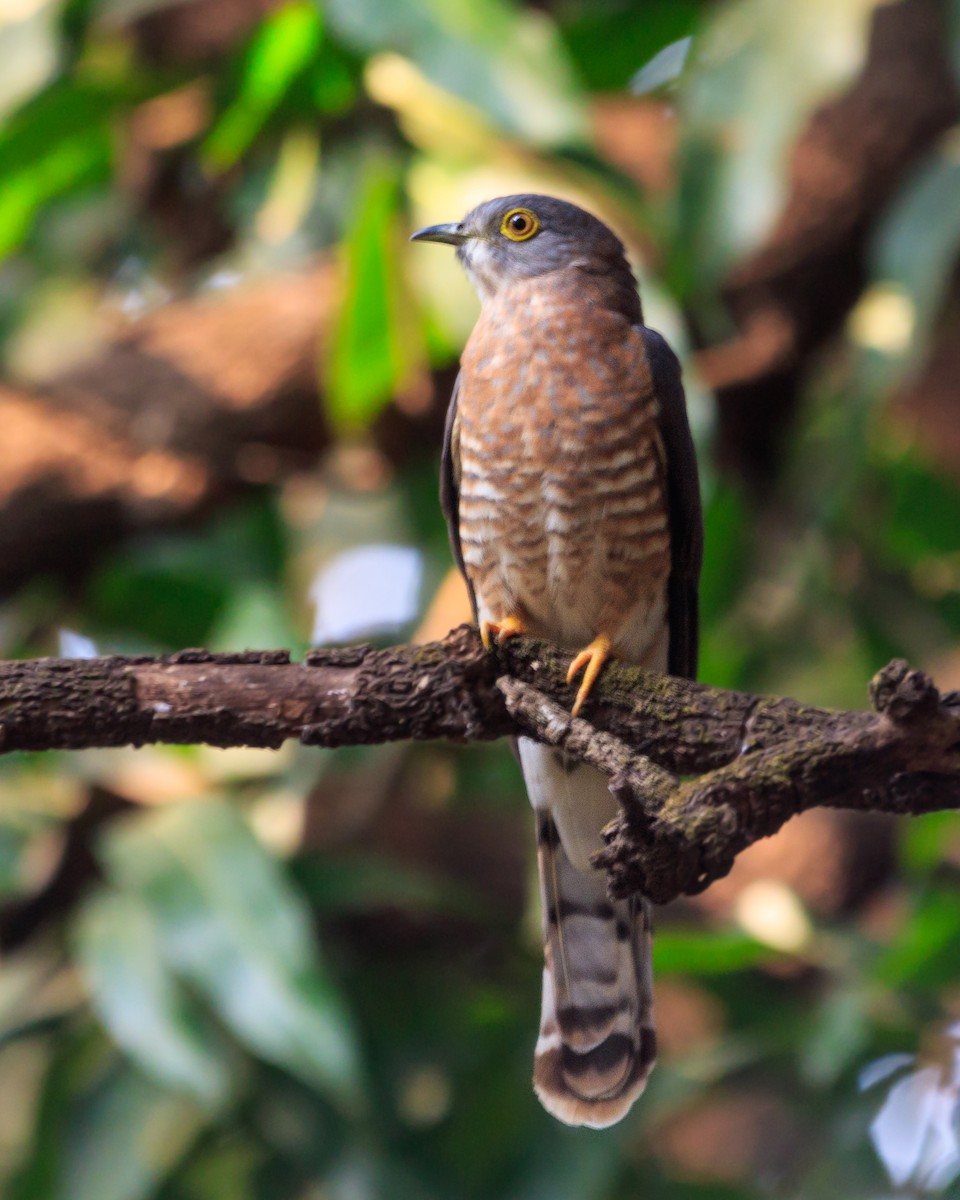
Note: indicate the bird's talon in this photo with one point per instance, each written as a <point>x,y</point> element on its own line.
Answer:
<point>577,665</point>
<point>501,630</point>
<point>590,660</point>
<point>511,627</point>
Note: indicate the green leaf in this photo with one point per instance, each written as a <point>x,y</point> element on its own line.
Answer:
<point>727,546</point>
<point>225,1171</point>
<point>573,1169</point>
<point>921,511</point>
<point>687,1189</point>
<point>142,1007</point>
<point>926,842</point>
<point>763,68</point>
<point>177,589</point>
<point>728,556</point>
<point>29,52</point>
<point>924,953</point>
<point>123,1138</point>
<point>165,602</point>
<point>104,1131</point>
<point>376,344</point>
<point>13,842</point>
<point>608,41</point>
<point>665,67</point>
<point>507,63</point>
<point>254,616</point>
<point>364,883</point>
<point>230,924</point>
<point>282,49</point>
<point>706,953</point>
<point>839,1032</point>
<point>36,1174</point>
<point>58,144</point>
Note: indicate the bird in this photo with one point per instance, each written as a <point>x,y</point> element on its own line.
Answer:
<point>568,480</point>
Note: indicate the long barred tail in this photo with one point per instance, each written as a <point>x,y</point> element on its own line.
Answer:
<point>597,1042</point>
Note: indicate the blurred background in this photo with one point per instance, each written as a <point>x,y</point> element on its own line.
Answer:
<point>315,975</point>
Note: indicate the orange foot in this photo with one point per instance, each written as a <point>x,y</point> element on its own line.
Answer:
<point>501,630</point>
<point>592,658</point>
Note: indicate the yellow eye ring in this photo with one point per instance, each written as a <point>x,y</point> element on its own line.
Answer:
<point>519,224</point>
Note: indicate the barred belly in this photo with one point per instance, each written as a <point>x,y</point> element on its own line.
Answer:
<point>577,547</point>
<point>563,513</point>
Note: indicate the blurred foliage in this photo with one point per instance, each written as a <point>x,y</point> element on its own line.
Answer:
<point>315,975</point>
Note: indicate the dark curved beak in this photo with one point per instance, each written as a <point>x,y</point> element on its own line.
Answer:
<point>452,234</point>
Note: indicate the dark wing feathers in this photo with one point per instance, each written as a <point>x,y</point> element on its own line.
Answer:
<point>450,487</point>
<point>683,499</point>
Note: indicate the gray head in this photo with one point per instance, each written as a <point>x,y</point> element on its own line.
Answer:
<point>521,237</point>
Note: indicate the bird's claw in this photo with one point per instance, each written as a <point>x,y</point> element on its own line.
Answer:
<point>590,660</point>
<point>500,630</point>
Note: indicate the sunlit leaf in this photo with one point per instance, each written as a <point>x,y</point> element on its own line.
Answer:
<point>706,953</point>
<point>376,344</point>
<point>58,144</point>
<point>762,68</point>
<point>509,64</point>
<point>927,842</point>
<point>292,188</point>
<point>28,51</point>
<point>839,1030</point>
<point>230,924</point>
<point>140,1004</point>
<point>663,68</point>
<point>608,41</point>
<point>284,46</point>
<point>254,616</point>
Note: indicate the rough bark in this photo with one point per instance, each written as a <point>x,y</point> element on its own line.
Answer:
<point>757,760</point>
<point>676,837</point>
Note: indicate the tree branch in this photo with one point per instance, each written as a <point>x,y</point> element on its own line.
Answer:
<point>757,760</point>
<point>675,837</point>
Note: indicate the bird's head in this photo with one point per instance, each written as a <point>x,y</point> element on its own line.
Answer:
<point>521,237</point>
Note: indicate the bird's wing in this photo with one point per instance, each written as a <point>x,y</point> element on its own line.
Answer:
<point>450,487</point>
<point>683,500</point>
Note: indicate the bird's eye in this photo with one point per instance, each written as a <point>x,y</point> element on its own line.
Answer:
<point>519,224</point>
